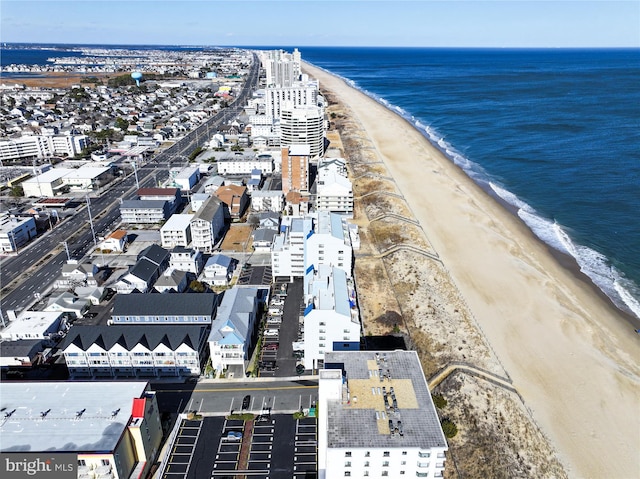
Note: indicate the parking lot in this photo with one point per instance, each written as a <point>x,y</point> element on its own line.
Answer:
<point>281,329</point>
<point>269,447</point>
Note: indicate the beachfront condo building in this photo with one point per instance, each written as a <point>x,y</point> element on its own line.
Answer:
<point>298,95</point>
<point>303,126</point>
<point>329,242</point>
<point>376,417</point>
<point>331,317</point>
<point>295,168</point>
<point>282,68</point>
<point>332,188</point>
<point>287,250</point>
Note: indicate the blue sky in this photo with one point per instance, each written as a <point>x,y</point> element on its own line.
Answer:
<point>448,23</point>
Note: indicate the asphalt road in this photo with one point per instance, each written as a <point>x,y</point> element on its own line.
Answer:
<point>220,398</point>
<point>40,262</point>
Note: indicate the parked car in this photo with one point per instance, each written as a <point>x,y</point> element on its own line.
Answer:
<point>245,402</point>
<point>234,436</point>
<point>272,346</point>
<point>274,319</point>
<point>271,332</point>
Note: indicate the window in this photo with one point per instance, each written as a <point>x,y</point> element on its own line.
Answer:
<point>403,463</point>
<point>385,464</point>
<point>347,454</point>
<point>404,453</point>
<point>105,462</point>
<point>385,454</point>
<point>366,464</point>
<point>347,464</point>
<point>402,473</point>
<point>82,462</point>
<point>424,454</point>
<point>347,473</point>
<point>367,454</point>
<point>385,473</point>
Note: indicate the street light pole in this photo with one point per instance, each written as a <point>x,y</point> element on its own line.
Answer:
<point>93,231</point>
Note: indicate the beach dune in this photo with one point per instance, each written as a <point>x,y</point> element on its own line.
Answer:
<point>572,356</point>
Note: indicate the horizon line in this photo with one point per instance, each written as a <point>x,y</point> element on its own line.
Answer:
<point>483,47</point>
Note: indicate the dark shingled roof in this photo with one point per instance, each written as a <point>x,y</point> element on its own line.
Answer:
<point>142,304</point>
<point>129,336</point>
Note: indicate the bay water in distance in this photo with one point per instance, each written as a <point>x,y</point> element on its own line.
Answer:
<point>553,133</point>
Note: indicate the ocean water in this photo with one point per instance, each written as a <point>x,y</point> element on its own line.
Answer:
<point>554,133</point>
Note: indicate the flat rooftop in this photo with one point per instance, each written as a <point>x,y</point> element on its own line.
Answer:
<point>362,419</point>
<point>65,416</point>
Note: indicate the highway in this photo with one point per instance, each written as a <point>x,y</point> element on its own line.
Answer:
<point>39,263</point>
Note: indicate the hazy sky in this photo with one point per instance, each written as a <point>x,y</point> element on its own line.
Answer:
<point>448,23</point>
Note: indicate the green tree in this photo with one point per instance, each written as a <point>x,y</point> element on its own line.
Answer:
<point>439,400</point>
<point>17,190</point>
<point>121,123</point>
<point>449,428</point>
<point>197,286</point>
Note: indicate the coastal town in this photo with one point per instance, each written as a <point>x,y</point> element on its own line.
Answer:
<point>186,228</point>
<point>225,262</point>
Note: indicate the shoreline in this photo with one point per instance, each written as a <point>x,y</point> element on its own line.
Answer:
<point>565,259</point>
<point>572,356</point>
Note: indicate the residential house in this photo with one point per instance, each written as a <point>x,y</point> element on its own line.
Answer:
<point>116,241</point>
<point>263,239</point>
<point>74,274</point>
<point>68,303</point>
<point>233,331</point>
<point>218,269</point>
<point>186,259</point>
<point>152,261</point>
<point>235,198</point>
<point>171,281</point>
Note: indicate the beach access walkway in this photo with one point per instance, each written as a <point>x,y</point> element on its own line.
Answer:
<point>468,368</point>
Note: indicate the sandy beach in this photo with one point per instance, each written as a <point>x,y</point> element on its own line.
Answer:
<point>572,357</point>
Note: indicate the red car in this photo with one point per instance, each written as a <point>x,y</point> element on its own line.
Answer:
<point>271,346</point>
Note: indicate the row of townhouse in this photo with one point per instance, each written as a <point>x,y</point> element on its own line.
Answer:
<point>154,335</point>
<point>135,351</point>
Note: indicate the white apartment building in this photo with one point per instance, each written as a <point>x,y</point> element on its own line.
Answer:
<point>298,95</point>
<point>56,181</point>
<point>267,200</point>
<point>329,242</point>
<point>282,68</point>
<point>184,178</point>
<point>207,225</point>
<point>15,232</point>
<point>331,318</point>
<point>32,325</point>
<point>334,191</point>
<point>377,418</point>
<point>42,146</point>
<point>240,164</point>
<point>287,252</point>
<point>303,126</point>
<point>176,231</point>
<point>186,259</point>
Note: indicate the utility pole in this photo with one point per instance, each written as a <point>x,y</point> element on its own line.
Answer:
<point>135,172</point>
<point>93,231</point>
<point>66,248</point>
